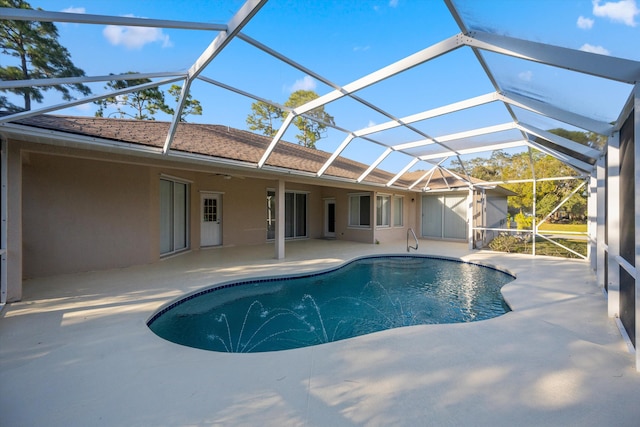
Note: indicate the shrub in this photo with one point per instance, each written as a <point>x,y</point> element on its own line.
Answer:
<point>504,243</point>
<point>524,222</point>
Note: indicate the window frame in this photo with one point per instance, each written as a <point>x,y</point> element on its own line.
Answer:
<point>359,196</point>
<point>179,224</point>
<point>398,201</point>
<point>383,211</point>
<point>291,209</point>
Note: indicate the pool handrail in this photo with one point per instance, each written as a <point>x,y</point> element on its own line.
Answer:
<point>414,238</point>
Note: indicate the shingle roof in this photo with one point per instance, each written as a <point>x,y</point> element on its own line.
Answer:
<point>216,141</point>
<point>223,142</point>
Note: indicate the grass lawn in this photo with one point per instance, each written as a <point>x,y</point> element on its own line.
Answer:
<point>563,227</point>
<point>544,247</point>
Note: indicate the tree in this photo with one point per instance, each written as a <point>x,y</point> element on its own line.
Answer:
<point>263,118</point>
<point>191,106</point>
<point>146,103</point>
<point>36,48</point>
<point>311,130</point>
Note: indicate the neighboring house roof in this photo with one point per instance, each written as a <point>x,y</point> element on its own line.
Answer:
<point>223,142</point>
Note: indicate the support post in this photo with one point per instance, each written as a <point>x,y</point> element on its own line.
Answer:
<point>613,225</point>
<point>3,220</point>
<point>534,225</point>
<point>470,223</point>
<point>601,244</point>
<point>636,173</point>
<point>279,242</point>
<point>13,219</point>
<point>592,220</point>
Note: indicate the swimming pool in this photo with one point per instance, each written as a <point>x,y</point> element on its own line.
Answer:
<point>363,296</point>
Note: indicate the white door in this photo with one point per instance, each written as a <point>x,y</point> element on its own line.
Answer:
<point>211,220</point>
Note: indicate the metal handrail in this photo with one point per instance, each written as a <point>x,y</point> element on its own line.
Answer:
<point>414,238</point>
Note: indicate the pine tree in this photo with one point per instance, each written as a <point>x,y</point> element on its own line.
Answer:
<point>39,56</point>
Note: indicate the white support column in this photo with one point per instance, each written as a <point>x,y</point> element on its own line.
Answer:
<point>534,225</point>
<point>613,225</point>
<point>470,204</point>
<point>3,220</point>
<point>636,173</point>
<point>14,222</point>
<point>279,242</point>
<point>600,218</point>
<point>592,220</point>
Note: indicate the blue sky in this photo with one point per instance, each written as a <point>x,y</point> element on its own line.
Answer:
<point>345,40</point>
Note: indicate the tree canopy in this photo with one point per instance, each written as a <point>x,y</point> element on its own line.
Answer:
<point>502,166</point>
<point>191,106</point>
<point>265,117</point>
<point>145,103</point>
<point>311,130</point>
<point>38,55</point>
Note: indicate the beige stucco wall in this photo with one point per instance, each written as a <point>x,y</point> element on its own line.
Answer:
<point>85,211</point>
<point>81,214</point>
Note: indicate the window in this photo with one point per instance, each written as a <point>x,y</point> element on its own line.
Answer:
<point>174,216</point>
<point>360,210</point>
<point>383,211</point>
<point>295,215</point>
<point>398,211</point>
<point>210,210</point>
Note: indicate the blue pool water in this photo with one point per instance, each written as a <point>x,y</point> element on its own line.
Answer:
<point>364,296</point>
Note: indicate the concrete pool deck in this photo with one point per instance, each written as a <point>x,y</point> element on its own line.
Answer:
<point>76,352</point>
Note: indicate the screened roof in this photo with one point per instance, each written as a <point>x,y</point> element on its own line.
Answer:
<point>409,92</point>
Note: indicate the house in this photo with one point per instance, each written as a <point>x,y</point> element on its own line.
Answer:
<point>98,193</point>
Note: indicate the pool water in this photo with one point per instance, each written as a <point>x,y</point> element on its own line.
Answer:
<point>364,296</point>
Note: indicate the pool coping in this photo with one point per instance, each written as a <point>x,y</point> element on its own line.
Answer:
<point>77,351</point>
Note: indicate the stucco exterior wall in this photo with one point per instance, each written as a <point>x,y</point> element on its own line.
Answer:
<point>81,215</point>
<point>343,230</point>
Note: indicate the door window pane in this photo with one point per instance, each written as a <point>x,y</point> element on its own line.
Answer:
<point>359,210</point>
<point>295,215</point>
<point>174,222</point>
<point>271,214</point>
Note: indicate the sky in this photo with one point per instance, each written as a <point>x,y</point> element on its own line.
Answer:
<point>344,40</point>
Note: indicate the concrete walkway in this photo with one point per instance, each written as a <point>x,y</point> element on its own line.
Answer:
<point>76,352</point>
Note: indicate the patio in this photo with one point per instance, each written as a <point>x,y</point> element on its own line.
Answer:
<point>76,352</point>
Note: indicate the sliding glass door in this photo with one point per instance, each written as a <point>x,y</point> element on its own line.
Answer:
<point>174,215</point>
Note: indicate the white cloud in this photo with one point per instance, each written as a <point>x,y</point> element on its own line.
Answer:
<point>85,107</point>
<point>527,76</point>
<point>305,83</point>
<point>371,123</point>
<point>135,37</point>
<point>361,48</point>
<point>393,3</point>
<point>585,23</point>
<point>623,11</point>
<point>594,49</point>
<point>75,10</point>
